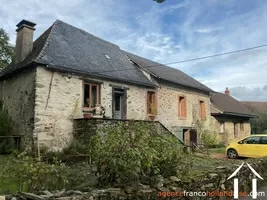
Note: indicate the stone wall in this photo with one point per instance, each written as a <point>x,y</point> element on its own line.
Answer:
<point>59,100</point>
<point>168,98</point>
<point>215,185</point>
<point>228,136</point>
<point>85,128</point>
<point>18,94</point>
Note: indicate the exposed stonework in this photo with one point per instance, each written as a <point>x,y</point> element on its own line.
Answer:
<point>168,99</point>
<point>18,95</point>
<point>84,128</point>
<point>228,135</point>
<point>59,98</point>
<point>213,186</point>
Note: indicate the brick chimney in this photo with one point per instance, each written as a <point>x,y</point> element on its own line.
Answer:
<point>24,42</point>
<point>227,92</point>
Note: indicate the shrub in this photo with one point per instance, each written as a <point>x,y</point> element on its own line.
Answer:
<point>209,138</point>
<point>32,175</point>
<point>6,144</point>
<point>126,152</point>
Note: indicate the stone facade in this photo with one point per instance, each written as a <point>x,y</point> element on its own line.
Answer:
<point>168,101</point>
<point>18,95</point>
<point>229,128</point>
<point>48,102</point>
<point>59,99</point>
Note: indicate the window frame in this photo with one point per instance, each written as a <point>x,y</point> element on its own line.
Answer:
<point>250,138</point>
<point>153,96</point>
<point>182,107</point>
<point>202,109</point>
<point>220,126</point>
<point>90,84</point>
<point>261,137</point>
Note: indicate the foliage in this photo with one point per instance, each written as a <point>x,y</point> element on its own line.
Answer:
<point>127,152</point>
<point>32,175</point>
<point>259,124</point>
<point>6,144</point>
<point>209,138</point>
<point>6,50</point>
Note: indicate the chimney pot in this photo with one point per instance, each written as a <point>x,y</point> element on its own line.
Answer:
<point>227,92</point>
<point>24,42</point>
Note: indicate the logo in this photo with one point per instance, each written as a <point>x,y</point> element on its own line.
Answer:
<point>254,181</point>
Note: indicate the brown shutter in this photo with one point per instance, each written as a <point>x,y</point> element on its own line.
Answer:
<point>155,102</point>
<point>184,107</point>
<point>204,110</point>
<point>147,103</point>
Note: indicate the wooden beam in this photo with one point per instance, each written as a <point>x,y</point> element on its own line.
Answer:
<point>119,87</point>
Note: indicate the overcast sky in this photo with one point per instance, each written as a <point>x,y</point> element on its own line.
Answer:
<point>172,31</point>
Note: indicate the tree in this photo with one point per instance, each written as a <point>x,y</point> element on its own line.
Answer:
<point>6,50</point>
<point>159,1</point>
<point>259,124</point>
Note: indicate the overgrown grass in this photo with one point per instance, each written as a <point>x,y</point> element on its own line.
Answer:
<point>202,165</point>
<point>220,150</point>
<point>6,186</point>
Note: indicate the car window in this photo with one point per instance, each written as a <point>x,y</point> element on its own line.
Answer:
<point>252,140</point>
<point>263,140</point>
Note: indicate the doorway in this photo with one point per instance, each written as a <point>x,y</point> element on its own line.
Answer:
<point>118,103</point>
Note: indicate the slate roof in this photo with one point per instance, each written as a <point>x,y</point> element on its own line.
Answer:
<point>68,48</point>
<point>168,73</point>
<point>71,49</point>
<point>228,105</point>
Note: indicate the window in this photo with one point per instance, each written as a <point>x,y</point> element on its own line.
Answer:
<point>235,130</point>
<point>222,127</point>
<point>202,110</point>
<point>151,103</point>
<point>251,140</point>
<point>182,107</point>
<point>241,126</point>
<point>263,140</point>
<point>91,95</point>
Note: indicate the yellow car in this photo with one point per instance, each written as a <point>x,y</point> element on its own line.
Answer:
<point>252,146</point>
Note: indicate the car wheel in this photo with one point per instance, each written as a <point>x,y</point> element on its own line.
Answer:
<point>232,153</point>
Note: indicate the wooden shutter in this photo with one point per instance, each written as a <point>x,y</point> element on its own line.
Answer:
<point>184,107</point>
<point>148,102</point>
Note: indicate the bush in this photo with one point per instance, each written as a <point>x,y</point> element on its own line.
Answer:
<point>209,138</point>
<point>31,175</point>
<point>126,153</point>
<point>6,144</point>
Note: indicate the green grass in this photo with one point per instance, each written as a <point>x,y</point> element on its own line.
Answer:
<point>217,150</point>
<point>6,186</point>
<point>202,165</point>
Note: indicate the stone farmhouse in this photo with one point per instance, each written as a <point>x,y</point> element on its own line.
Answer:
<point>68,74</point>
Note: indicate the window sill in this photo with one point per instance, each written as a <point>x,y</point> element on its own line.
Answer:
<point>87,109</point>
<point>182,118</point>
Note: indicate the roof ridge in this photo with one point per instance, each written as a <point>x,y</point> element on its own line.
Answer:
<point>46,44</point>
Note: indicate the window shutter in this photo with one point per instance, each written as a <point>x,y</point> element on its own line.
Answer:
<point>147,103</point>
<point>203,110</point>
<point>154,102</point>
<point>185,109</point>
